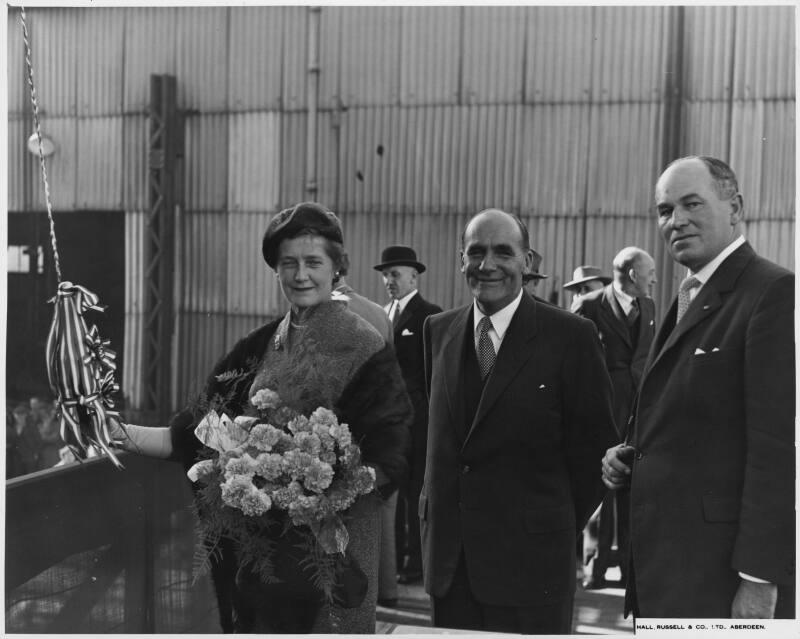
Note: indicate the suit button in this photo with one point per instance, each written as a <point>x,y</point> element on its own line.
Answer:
<point>465,469</point>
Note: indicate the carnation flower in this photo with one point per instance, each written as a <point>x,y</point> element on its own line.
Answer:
<point>363,480</point>
<point>264,436</point>
<point>305,510</point>
<point>341,433</point>
<point>324,417</point>
<point>265,399</point>
<point>308,442</point>
<point>299,424</point>
<point>255,502</point>
<point>268,466</point>
<point>350,455</point>
<point>244,465</point>
<point>234,488</point>
<point>318,476</point>
<point>340,496</point>
<point>283,497</point>
<point>325,438</point>
<point>328,456</point>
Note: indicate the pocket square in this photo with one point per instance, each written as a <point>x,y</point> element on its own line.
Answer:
<point>406,332</point>
<point>699,351</point>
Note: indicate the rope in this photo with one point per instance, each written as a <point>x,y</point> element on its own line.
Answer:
<point>35,105</point>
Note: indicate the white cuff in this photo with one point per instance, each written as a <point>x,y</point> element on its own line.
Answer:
<point>753,579</point>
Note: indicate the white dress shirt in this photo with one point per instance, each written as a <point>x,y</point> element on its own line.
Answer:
<point>401,304</point>
<point>500,321</point>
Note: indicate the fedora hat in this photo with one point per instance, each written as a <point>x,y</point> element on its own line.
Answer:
<point>399,255</point>
<point>586,273</point>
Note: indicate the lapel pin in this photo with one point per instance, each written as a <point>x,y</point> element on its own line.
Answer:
<point>541,386</point>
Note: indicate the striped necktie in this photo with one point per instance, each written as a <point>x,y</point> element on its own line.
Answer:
<point>683,295</point>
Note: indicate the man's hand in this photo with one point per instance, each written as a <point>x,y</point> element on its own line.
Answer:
<point>754,600</point>
<point>617,466</point>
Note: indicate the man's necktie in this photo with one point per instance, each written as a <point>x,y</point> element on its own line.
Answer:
<point>683,295</point>
<point>633,314</point>
<point>395,313</point>
<point>486,354</point>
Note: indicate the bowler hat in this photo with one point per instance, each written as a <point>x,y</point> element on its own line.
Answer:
<point>287,223</point>
<point>586,273</point>
<point>399,256</point>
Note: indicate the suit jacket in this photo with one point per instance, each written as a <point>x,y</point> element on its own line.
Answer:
<point>712,489</point>
<point>624,360</point>
<point>512,487</point>
<point>408,346</point>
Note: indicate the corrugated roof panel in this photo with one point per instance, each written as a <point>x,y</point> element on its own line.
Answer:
<point>765,52</point>
<point>203,237</point>
<point>99,48</point>
<point>554,159</point>
<point>256,57</point>
<point>704,127</point>
<point>369,45</point>
<point>252,288</point>
<point>293,158</point>
<point>708,52</point>
<point>99,170</point>
<point>17,87</point>
<point>493,67</point>
<point>430,54</point>
<point>624,157</point>
<point>62,166</point>
<point>150,44</point>
<point>559,53</point>
<point>135,131</point>
<point>630,49</point>
<point>206,161</point>
<point>133,344</point>
<point>200,344</point>
<point>295,57</point>
<point>254,167</point>
<point>747,148</point>
<point>606,235</point>
<point>53,37</point>
<point>17,156</point>
<point>777,198</point>
<point>773,239</point>
<point>202,35</point>
<point>330,56</point>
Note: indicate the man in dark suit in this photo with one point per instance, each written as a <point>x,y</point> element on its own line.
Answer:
<point>520,400</point>
<point>624,314</point>
<point>407,311</point>
<point>710,459</point>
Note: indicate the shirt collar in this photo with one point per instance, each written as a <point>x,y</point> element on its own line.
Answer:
<point>625,300</point>
<point>403,301</point>
<point>705,273</point>
<point>501,319</point>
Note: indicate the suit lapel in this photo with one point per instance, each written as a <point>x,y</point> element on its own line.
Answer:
<point>407,313</point>
<point>613,311</point>
<point>708,300</point>
<point>512,356</point>
<point>453,354</point>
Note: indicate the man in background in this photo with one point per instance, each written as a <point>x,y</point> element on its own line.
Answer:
<point>585,279</point>
<point>624,314</point>
<point>407,311</point>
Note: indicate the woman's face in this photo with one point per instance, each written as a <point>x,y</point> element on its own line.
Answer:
<point>305,270</point>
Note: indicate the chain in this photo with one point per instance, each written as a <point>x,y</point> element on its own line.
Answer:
<point>29,64</point>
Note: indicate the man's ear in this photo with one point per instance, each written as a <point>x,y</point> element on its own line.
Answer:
<point>632,274</point>
<point>737,209</point>
<point>463,259</point>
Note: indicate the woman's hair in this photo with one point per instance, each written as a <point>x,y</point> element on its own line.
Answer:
<point>333,249</point>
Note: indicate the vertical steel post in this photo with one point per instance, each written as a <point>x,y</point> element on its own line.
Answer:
<point>312,95</point>
<point>160,245</point>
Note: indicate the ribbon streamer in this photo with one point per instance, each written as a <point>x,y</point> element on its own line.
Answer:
<point>80,369</point>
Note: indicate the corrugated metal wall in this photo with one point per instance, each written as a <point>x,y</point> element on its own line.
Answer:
<point>428,114</point>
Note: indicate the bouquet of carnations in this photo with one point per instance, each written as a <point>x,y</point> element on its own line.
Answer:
<point>275,470</point>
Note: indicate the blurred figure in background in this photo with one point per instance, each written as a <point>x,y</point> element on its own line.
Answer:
<point>44,416</point>
<point>624,314</point>
<point>585,279</point>
<point>407,311</point>
<point>530,280</point>
<point>23,443</point>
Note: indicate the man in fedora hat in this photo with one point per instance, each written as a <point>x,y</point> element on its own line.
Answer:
<point>624,314</point>
<point>585,279</point>
<point>407,311</point>
<point>530,280</point>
